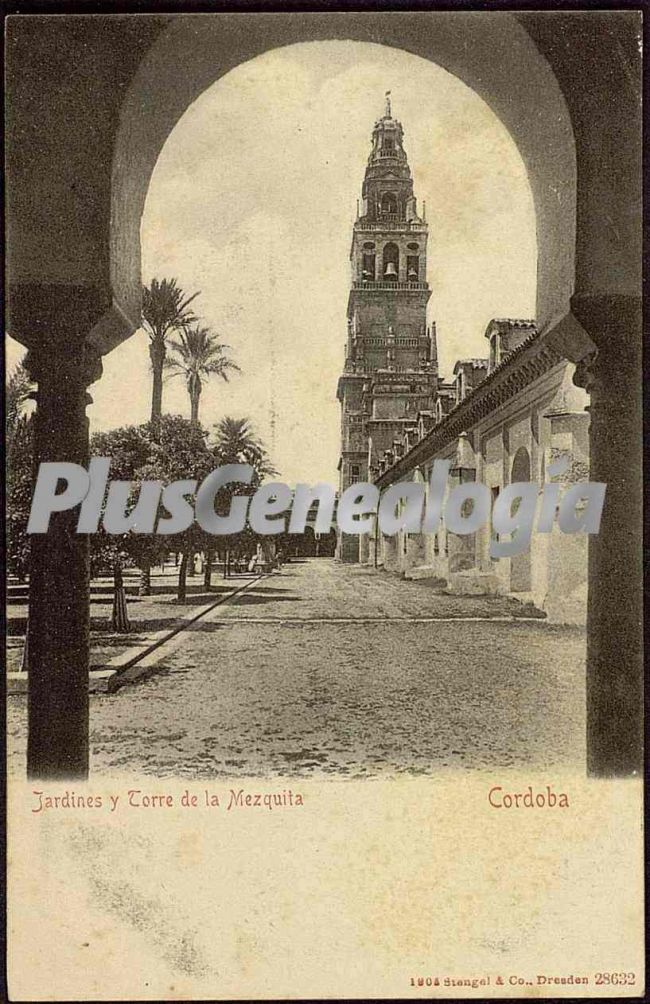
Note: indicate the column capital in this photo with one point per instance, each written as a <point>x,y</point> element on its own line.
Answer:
<point>613,323</point>
<point>611,372</point>
<point>66,329</point>
<point>48,366</point>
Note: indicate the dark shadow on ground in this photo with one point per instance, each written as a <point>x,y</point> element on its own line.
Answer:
<point>248,599</point>
<point>111,639</point>
<point>169,588</point>
<point>192,600</point>
<point>210,627</point>
<point>196,594</point>
<point>104,593</point>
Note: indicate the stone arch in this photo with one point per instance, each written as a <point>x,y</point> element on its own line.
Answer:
<point>83,145</point>
<point>165,85</point>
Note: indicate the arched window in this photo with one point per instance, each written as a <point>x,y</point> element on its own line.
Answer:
<point>412,268</point>
<point>390,270</point>
<point>389,203</point>
<point>368,267</point>
<point>521,465</point>
<point>520,565</point>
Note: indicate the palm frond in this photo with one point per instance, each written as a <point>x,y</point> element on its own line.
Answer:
<point>165,307</point>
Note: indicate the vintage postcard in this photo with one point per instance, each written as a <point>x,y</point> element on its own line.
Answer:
<point>324,505</point>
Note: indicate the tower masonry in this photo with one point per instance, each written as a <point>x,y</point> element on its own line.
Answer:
<point>390,374</point>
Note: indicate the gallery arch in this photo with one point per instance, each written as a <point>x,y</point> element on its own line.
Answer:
<point>78,174</point>
<point>520,581</point>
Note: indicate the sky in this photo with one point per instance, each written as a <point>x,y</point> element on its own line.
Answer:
<point>252,202</point>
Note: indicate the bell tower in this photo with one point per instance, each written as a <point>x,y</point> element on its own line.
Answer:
<point>390,372</point>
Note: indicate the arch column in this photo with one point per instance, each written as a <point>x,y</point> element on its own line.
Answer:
<point>364,548</point>
<point>461,548</point>
<point>612,376</point>
<point>63,366</point>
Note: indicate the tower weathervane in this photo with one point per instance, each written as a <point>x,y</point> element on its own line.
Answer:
<point>388,113</point>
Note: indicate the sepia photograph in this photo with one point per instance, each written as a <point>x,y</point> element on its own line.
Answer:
<point>324,496</point>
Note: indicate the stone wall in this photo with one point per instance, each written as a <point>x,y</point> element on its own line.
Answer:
<point>516,441</point>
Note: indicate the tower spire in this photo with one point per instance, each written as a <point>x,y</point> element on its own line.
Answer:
<point>433,347</point>
<point>387,112</point>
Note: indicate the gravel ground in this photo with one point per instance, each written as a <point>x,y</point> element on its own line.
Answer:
<point>330,669</point>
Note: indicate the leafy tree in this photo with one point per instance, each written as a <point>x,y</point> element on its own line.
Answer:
<point>197,356</point>
<point>111,553</point>
<point>19,390</point>
<point>129,448</point>
<point>172,450</point>
<point>179,453</point>
<point>175,450</point>
<point>165,309</point>
<point>19,470</point>
<point>20,481</point>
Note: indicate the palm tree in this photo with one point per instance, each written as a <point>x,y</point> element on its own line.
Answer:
<point>197,356</point>
<point>165,308</point>
<point>235,442</point>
